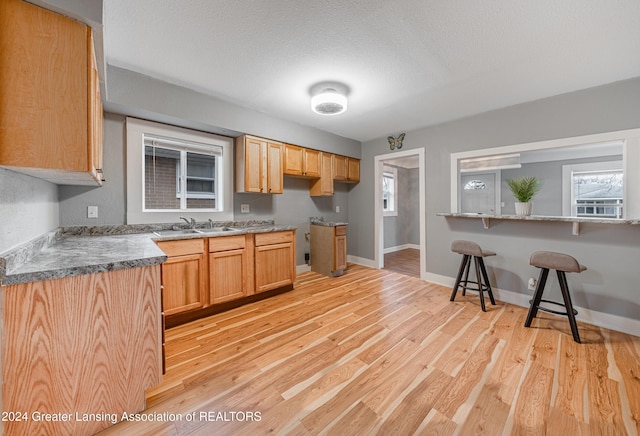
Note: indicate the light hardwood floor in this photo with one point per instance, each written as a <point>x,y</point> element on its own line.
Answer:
<point>405,261</point>
<point>375,352</point>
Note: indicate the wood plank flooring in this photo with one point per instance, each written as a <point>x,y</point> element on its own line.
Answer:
<point>376,352</point>
<point>405,262</point>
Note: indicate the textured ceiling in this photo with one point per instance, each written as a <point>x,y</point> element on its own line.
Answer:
<point>407,63</point>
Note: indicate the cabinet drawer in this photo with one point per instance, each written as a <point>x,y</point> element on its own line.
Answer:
<point>341,230</point>
<point>225,243</point>
<point>273,238</point>
<point>182,247</point>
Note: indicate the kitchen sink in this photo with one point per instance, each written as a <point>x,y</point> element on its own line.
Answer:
<point>180,232</point>
<point>177,232</point>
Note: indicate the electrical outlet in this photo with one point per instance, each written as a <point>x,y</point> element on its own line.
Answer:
<point>337,209</point>
<point>244,208</point>
<point>92,211</point>
<point>532,284</point>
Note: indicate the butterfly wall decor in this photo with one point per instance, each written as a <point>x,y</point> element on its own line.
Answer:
<point>395,142</point>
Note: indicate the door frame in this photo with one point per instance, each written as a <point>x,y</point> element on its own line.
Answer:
<point>378,215</point>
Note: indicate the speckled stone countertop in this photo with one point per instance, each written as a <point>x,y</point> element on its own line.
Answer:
<point>70,251</point>
<point>541,218</point>
<point>327,223</point>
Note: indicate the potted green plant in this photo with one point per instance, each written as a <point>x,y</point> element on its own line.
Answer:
<point>524,189</point>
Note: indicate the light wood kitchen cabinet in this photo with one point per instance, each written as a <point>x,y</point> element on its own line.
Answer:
<point>340,167</point>
<point>329,249</point>
<point>301,162</point>
<point>324,185</point>
<point>353,170</point>
<point>50,106</point>
<point>346,169</point>
<point>258,165</point>
<point>230,268</point>
<point>275,260</point>
<point>184,275</point>
<point>81,344</point>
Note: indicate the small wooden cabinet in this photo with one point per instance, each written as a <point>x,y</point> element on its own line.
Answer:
<point>301,162</point>
<point>340,167</point>
<point>258,165</point>
<point>230,273</point>
<point>353,170</point>
<point>50,106</point>
<point>275,260</point>
<point>329,249</point>
<point>324,185</point>
<point>184,275</point>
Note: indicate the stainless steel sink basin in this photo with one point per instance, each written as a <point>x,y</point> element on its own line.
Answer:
<point>177,232</point>
<point>218,230</point>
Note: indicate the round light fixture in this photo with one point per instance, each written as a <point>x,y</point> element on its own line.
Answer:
<point>329,102</point>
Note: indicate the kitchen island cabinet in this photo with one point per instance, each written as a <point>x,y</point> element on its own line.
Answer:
<point>50,106</point>
<point>85,344</point>
<point>328,249</point>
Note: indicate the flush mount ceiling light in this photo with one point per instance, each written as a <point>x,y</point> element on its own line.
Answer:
<point>328,99</point>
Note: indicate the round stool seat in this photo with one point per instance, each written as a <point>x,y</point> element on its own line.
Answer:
<point>557,261</point>
<point>470,248</point>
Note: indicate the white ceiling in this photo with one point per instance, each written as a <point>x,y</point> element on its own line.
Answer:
<point>407,63</point>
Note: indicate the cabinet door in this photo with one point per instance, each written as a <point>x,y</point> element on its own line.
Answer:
<point>45,94</point>
<point>340,253</point>
<point>274,168</point>
<point>255,156</point>
<point>292,160</point>
<point>324,185</point>
<point>353,174</point>
<point>275,266</point>
<point>311,162</point>
<point>339,167</point>
<point>227,275</point>
<point>95,122</point>
<point>184,284</point>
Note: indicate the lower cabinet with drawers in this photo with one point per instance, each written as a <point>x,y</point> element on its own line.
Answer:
<point>207,275</point>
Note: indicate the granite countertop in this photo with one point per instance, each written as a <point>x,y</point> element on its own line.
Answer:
<point>327,223</point>
<point>594,220</point>
<point>80,250</point>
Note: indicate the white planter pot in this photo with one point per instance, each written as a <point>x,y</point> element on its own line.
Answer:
<point>524,209</point>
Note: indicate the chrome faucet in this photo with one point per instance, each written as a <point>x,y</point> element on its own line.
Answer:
<point>191,222</point>
<point>210,223</point>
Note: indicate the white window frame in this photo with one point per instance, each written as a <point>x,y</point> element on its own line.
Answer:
<point>393,172</point>
<point>136,213</point>
<point>568,198</point>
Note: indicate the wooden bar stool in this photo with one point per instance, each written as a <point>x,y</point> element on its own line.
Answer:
<point>470,250</point>
<point>562,263</point>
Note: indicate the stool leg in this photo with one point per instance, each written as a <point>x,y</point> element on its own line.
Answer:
<point>460,271</point>
<point>479,281</point>
<point>486,281</point>
<point>466,275</point>
<point>537,296</point>
<point>564,287</point>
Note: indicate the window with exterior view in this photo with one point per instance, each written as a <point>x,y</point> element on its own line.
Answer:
<point>598,193</point>
<point>180,175</point>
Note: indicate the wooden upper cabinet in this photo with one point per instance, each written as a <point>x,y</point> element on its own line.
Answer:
<point>301,162</point>
<point>339,167</point>
<point>324,185</point>
<point>50,107</point>
<point>353,170</point>
<point>258,165</point>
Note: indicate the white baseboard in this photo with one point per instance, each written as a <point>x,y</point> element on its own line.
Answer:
<point>302,268</point>
<point>361,261</point>
<point>600,319</point>
<point>401,247</point>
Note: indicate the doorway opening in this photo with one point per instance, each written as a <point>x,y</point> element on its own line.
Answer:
<point>400,221</point>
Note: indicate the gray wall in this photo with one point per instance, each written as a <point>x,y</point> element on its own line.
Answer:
<point>28,208</point>
<point>405,227</point>
<point>611,252</point>
<point>293,207</point>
